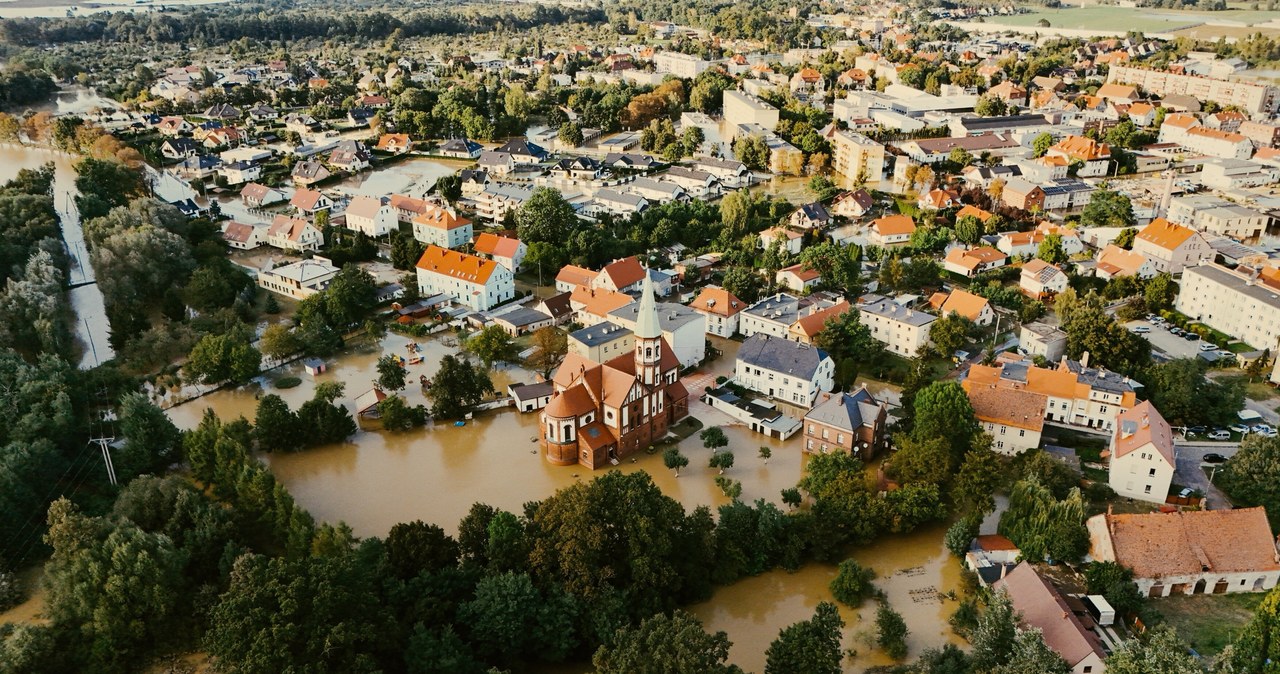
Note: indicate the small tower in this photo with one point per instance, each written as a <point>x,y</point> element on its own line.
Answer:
<point>648,334</point>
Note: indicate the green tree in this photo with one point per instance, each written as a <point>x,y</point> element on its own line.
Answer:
<point>449,187</point>
<point>959,536</point>
<point>405,250</point>
<point>942,410</point>
<point>1108,208</point>
<point>440,651</point>
<point>322,420</point>
<point>1185,396</point>
<point>1158,651</point>
<point>570,134</point>
<point>391,374</point>
<point>1051,251</point>
<point>1042,526</point>
<point>891,632</point>
<point>713,438</point>
<point>663,644</point>
<point>1159,292</point>
<point>418,547</point>
<point>550,345</point>
<point>743,283</point>
<point>456,387</point>
<point>968,229</point>
<point>1031,656</point>
<point>808,647</point>
<point>1125,238</point>
<point>275,426</point>
<point>219,358</point>
<point>278,342</point>
<point>973,491</point>
<point>993,638</point>
<point>396,415</point>
<point>152,442</point>
<point>852,584</point>
<point>949,333</point>
<point>1114,582</point>
<point>721,460</point>
<point>765,453</point>
<point>1041,144</point>
<point>926,460</point>
<point>545,218</point>
<point>753,151</point>
<point>674,460</point>
<point>1251,477</point>
<point>492,345</point>
<point>1091,329</point>
<point>991,106</point>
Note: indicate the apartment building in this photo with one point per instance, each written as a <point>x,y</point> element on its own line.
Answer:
<point>720,308</point>
<point>472,281</point>
<point>1076,393</point>
<point>680,65</point>
<point>855,155</point>
<point>784,370</point>
<point>1170,248</point>
<point>442,227</point>
<point>853,423</point>
<point>776,314</point>
<point>743,108</point>
<point>1142,455</point>
<point>1240,302</point>
<point>902,330</point>
<point>1211,214</point>
<point>1253,98</point>
<point>1013,417</point>
<point>371,216</point>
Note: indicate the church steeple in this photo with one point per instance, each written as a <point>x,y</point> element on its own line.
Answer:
<point>648,334</point>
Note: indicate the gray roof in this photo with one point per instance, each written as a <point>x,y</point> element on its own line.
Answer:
<point>782,307</point>
<point>523,317</point>
<point>1234,281</point>
<point>1101,379</point>
<point>888,309</point>
<point>846,410</point>
<point>1005,122</point>
<point>780,355</point>
<point>670,316</point>
<point>523,392</point>
<point>600,333</point>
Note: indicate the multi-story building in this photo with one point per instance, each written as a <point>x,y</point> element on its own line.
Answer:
<point>856,156</point>
<point>601,342</point>
<point>1217,216</point>
<point>504,250</point>
<point>1170,248</point>
<point>497,199</point>
<point>1251,97</point>
<point>853,423</point>
<point>1013,417</point>
<point>1143,456</point>
<point>298,280</point>
<point>1240,302</point>
<point>903,331</point>
<point>442,227</point>
<point>370,216</point>
<point>1042,339</point>
<point>680,65</point>
<point>295,234</point>
<point>471,281</point>
<point>604,412</point>
<point>1094,157</point>
<point>720,308</point>
<point>743,108</point>
<point>1077,394</point>
<point>784,370</point>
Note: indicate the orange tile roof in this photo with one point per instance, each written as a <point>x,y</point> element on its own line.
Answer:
<point>1165,234</point>
<point>811,325</point>
<point>1214,133</point>
<point>1114,90</point>
<point>976,212</point>
<point>441,218</point>
<point>1140,109</point>
<point>498,246</point>
<point>1041,606</point>
<point>972,258</point>
<point>1116,260</point>
<point>571,402</point>
<point>801,271</point>
<point>964,303</point>
<point>1007,406</point>
<point>717,301</point>
<point>1192,542</point>
<point>599,301</point>
<point>1181,120</point>
<point>461,266</point>
<point>575,275</point>
<point>389,139</point>
<point>624,272</point>
<point>1139,425</point>
<point>1082,148</point>
<point>891,225</point>
<point>401,202</point>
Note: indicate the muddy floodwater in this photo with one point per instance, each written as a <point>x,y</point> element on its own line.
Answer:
<point>412,176</point>
<point>378,479</point>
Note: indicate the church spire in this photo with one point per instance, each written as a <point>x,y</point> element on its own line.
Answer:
<point>647,324</point>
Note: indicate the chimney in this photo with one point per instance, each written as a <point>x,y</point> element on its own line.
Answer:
<point>1084,360</point>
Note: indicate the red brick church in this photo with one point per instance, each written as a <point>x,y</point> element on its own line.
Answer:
<point>600,414</point>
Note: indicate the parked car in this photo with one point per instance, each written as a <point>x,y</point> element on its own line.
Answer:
<point>1139,329</point>
<point>1198,430</point>
<point>1175,331</point>
<point>1220,434</point>
<point>1185,493</point>
<point>1191,336</point>
<point>1214,458</point>
<point>1242,429</point>
<point>1259,428</point>
<point>1208,346</point>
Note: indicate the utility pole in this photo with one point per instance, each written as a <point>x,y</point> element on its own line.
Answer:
<point>102,433</point>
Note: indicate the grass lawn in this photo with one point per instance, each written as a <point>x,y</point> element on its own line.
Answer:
<point>1258,390</point>
<point>1207,622</point>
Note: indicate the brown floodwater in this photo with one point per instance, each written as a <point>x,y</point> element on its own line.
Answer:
<point>31,610</point>
<point>913,571</point>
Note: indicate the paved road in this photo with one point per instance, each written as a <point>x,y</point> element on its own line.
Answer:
<point>1189,472</point>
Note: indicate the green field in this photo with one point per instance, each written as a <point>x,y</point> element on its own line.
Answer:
<point>1135,18</point>
<point>1207,622</point>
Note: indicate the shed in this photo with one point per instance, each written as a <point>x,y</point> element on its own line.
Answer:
<point>314,366</point>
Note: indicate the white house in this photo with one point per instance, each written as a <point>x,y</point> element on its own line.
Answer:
<point>294,234</point>
<point>785,370</point>
<point>1170,247</point>
<point>791,240</point>
<point>371,216</point>
<point>720,308</point>
<point>1143,456</point>
<point>298,280</point>
<point>442,227</point>
<point>504,250</point>
<point>891,229</point>
<point>474,282</point>
<point>1041,279</point>
<point>1013,417</point>
<point>240,236</point>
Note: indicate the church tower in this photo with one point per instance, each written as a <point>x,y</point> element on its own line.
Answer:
<point>648,334</point>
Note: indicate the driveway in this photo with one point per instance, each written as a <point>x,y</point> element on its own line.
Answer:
<point>1166,342</point>
<point>1190,470</point>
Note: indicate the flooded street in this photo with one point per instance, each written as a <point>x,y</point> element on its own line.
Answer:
<point>91,327</point>
<point>911,570</point>
<point>412,177</point>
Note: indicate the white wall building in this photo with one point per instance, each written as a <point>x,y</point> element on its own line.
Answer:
<point>784,370</point>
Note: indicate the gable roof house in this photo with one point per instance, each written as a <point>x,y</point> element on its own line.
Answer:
<point>1040,606</point>
<point>308,173</point>
<point>798,277</point>
<point>854,423</point>
<point>295,234</point>
<point>241,236</point>
<point>1094,157</point>
<point>310,202</point>
<point>350,155</point>
<point>1143,457</point>
<point>784,370</point>
<point>504,250</point>
<point>1013,417</point>
<point>854,204</point>
<point>973,307</point>
<point>371,216</point>
<point>1041,280</point>
<point>1114,261</point>
<point>443,227</point>
<point>395,143</point>
<point>1171,247</point>
<point>720,308</point>
<point>1189,551</point>
<point>256,195</point>
<point>974,261</point>
<point>460,148</point>
<point>810,216</point>
<point>523,151</point>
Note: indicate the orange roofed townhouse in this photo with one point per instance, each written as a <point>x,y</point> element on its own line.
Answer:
<point>474,282</point>
<point>1114,262</point>
<point>504,250</point>
<point>891,229</point>
<point>442,227</point>
<point>721,309</point>
<point>294,234</point>
<point>1077,394</point>
<point>1170,247</point>
<point>602,413</point>
<point>1143,457</point>
<point>1190,551</point>
<point>968,305</point>
<point>807,328</point>
<point>853,423</point>
<point>1013,417</point>
<point>970,263</point>
<point>1039,605</point>
<point>1094,157</point>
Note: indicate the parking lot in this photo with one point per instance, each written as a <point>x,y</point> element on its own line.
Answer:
<point>1166,342</point>
<point>1191,469</point>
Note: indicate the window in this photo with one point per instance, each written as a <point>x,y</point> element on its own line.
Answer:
<point>824,434</point>
<point>1022,432</point>
<point>1152,473</point>
<point>1147,490</point>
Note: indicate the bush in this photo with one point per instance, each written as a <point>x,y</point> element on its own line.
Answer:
<point>961,534</point>
<point>852,585</point>
<point>288,382</point>
<point>10,590</point>
<point>965,619</point>
<point>891,632</point>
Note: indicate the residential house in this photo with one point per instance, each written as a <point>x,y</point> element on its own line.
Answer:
<point>1041,280</point>
<point>294,234</point>
<point>442,227</point>
<point>807,328</point>
<point>394,143</point>
<point>790,240</point>
<point>1039,605</point>
<point>571,276</point>
<point>310,202</point>
<point>307,173</point>
<point>1189,551</point>
<point>240,236</point>
<point>1170,248</point>
<point>1023,194</point>
<point>1013,417</point>
<point>857,156</point>
<point>601,342</point>
<point>558,307</point>
<point>903,331</point>
<point>810,216</point>
<point>784,370</point>
<point>623,275</point>
<point>974,261</point>
<point>798,277</point>
<point>853,423</point>
<point>199,167</point>
<point>223,137</point>
<point>240,172</point>
<point>371,216</point>
<point>474,282</point>
<point>298,280</point>
<point>460,148</point>
<point>592,306</point>
<point>577,168</point>
<point>776,314</point>
<point>1042,339</point>
<point>1114,261</point>
<point>1077,393</point>
<point>1143,457</point>
<point>473,181</point>
<point>498,199</point>
<point>522,151</point>
<point>891,229</point>
<point>350,156</point>
<point>656,191</point>
<point>1093,157</point>
<point>697,184</point>
<point>854,204</point>
<point>504,250</point>
<point>615,202</point>
<point>255,195</point>
<point>522,321</point>
<point>1009,92</point>
<point>968,305</point>
<point>720,308</point>
<point>407,208</point>
<point>174,126</point>
<point>938,199</point>
<point>179,147</point>
<point>730,173</point>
